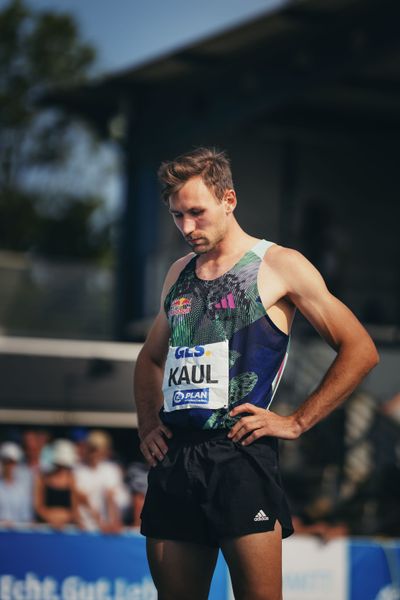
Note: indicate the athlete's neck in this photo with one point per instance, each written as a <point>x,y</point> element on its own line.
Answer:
<point>226,253</point>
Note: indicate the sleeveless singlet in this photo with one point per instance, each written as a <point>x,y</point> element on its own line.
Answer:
<point>224,348</point>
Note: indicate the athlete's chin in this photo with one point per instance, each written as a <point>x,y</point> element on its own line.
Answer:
<point>201,247</point>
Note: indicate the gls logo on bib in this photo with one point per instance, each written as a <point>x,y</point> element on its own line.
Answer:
<point>188,369</point>
<point>186,352</point>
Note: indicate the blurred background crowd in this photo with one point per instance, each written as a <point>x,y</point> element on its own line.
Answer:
<point>96,479</point>
<point>72,482</point>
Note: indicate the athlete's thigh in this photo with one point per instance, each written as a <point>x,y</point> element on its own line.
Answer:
<point>255,565</point>
<point>181,570</point>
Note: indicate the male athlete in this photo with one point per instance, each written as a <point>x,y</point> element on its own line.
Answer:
<point>204,382</point>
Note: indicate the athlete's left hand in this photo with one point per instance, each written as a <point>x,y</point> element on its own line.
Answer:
<point>261,422</point>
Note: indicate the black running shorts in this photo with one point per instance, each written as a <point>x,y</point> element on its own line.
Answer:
<point>208,488</point>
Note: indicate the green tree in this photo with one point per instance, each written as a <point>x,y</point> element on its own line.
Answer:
<point>39,51</point>
<point>68,233</point>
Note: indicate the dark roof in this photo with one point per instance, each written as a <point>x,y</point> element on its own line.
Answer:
<point>337,55</point>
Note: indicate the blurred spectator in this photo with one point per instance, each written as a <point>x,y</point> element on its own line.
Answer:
<point>15,491</point>
<point>136,479</point>
<point>79,436</point>
<point>37,450</point>
<point>324,530</point>
<point>56,497</point>
<point>391,407</point>
<point>100,483</point>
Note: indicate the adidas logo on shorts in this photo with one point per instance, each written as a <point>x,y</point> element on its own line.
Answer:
<point>261,516</point>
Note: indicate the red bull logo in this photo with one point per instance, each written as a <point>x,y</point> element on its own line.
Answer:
<point>180,306</point>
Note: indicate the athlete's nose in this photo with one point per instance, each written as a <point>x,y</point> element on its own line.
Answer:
<point>188,226</point>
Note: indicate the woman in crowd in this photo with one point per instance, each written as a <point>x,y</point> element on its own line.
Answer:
<point>56,496</point>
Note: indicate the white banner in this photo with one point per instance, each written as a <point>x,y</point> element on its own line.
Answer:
<point>313,570</point>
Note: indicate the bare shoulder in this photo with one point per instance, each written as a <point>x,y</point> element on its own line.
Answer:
<point>278,256</point>
<point>293,268</point>
<point>174,271</point>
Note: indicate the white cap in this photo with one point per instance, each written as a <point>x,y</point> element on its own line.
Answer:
<point>10,451</point>
<point>64,454</point>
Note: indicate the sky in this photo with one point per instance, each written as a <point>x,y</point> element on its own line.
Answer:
<point>129,32</point>
<point>126,33</point>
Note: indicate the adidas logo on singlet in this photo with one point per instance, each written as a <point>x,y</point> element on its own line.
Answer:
<point>226,302</point>
<point>261,516</point>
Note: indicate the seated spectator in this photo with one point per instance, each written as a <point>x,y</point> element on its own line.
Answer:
<point>136,478</point>
<point>15,491</point>
<point>36,446</point>
<point>56,497</point>
<point>100,485</point>
<point>79,436</point>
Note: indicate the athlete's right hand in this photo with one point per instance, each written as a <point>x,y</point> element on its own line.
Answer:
<point>153,446</point>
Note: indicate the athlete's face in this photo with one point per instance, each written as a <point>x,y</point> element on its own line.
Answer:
<point>202,220</point>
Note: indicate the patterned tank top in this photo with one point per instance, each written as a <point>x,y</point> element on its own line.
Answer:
<point>224,348</point>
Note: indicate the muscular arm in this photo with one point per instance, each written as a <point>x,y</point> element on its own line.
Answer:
<point>148,378</point>
<point>148,393</point>
<point>356,352</point>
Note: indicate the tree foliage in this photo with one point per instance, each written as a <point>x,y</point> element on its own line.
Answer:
<point>69,233</point>
<point>39,51</point>
<point>19,219</point>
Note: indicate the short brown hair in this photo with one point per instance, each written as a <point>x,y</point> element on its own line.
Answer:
<point>210,164</point>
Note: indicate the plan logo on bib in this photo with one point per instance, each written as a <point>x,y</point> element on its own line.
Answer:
<point>180,306</point>
<point>195,396</point>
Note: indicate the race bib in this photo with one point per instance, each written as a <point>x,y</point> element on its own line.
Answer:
<point>197,377</point>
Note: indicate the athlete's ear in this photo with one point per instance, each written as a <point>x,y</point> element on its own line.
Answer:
<point>230,201</point>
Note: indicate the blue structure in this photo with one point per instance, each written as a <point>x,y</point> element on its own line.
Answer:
<point>43,565</point>
<point>80,566</point>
